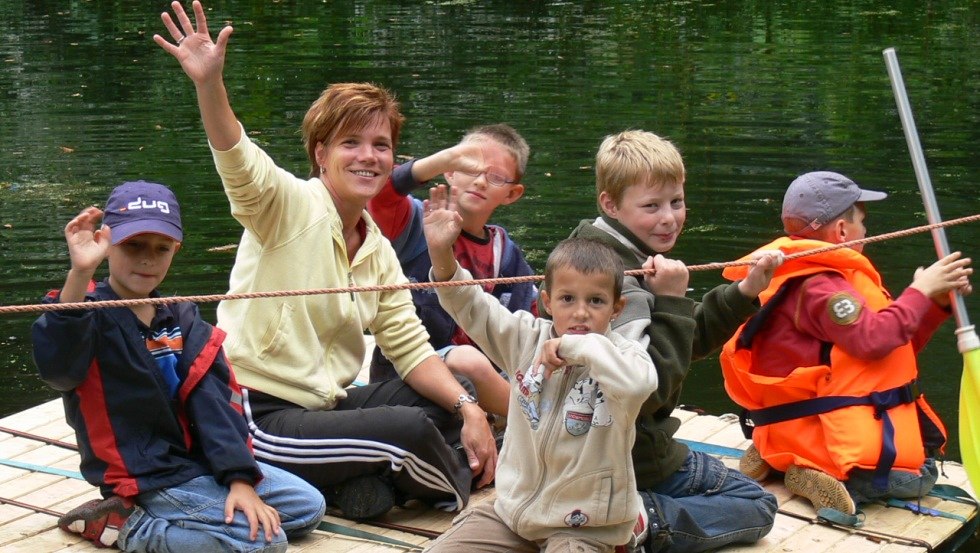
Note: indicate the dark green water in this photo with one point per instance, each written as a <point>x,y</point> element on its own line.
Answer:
<point>752,92</point>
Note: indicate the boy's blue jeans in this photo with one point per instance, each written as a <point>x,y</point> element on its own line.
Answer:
<point>704,506</point>
<point>190,517</point>
<point>901,484</point>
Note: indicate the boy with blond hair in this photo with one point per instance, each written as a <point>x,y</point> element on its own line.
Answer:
<point>487,166</point>
<point>694,502</point>
<point>565,477</point>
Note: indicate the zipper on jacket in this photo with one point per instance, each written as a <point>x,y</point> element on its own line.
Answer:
<point>350,283</point>
<point>556,408</point>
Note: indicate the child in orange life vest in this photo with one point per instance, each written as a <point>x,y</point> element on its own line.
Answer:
<point>830,337</point>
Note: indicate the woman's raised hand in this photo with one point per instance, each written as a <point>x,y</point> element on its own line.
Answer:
<point>201,58</point>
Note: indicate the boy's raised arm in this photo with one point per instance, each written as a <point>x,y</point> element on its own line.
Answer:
<point>442,225</point>
<point>87,247</point>
<point>466,157</point>
<point>203,61</point>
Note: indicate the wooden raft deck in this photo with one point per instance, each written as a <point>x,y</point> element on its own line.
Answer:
<point>39,475</point>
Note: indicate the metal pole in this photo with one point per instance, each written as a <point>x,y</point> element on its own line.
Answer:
<point>966,337</point>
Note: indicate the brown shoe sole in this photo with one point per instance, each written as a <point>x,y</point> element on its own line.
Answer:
<point>822,489</point>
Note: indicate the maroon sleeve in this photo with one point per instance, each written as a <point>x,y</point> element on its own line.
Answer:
<point>833,311</point>
<point>390,210</point>
<point>934,318</point>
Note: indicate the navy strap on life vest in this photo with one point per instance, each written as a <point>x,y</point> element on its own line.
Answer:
<point>881,401</point>
<point>757,322</point>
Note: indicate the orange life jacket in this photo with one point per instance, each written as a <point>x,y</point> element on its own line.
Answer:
<point>868,412</point>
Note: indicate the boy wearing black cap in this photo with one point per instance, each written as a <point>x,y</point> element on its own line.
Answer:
<point>827,370</point>
<point>155,407</point>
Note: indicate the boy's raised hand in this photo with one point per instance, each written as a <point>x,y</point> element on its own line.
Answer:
<point>465,157</point>
<point>87,245</point>
<point>441,225</point>
<point>441,222</point>
<point>242,497</point>
<point>670,278</point>
<point>944,276</point>
<point>766,262</point>
<point>201,58</point>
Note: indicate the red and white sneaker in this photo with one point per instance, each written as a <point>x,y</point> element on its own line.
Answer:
<point>98,520</point>
<point>639,537</point>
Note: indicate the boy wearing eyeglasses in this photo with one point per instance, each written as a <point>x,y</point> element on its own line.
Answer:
<point>486,166</point>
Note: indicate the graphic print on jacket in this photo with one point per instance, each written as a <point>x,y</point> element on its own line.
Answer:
<point>584,406</point>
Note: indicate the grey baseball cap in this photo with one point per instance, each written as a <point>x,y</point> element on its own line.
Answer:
<point>817,198</point>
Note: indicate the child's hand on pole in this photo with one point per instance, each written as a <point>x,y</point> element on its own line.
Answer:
<point>951,273</point>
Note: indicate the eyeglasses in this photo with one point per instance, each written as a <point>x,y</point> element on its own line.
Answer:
<point>493,178</point>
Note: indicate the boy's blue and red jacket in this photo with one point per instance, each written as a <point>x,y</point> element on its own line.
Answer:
<point>132,436</point>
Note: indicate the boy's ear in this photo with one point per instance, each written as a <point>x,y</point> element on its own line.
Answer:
<point>514,194</point>
<point>608,204</point>
<point>546,301</point>
<point>618,307</point>
<point>840,231</point>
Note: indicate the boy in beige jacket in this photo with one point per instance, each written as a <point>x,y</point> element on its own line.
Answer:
<point>565,475</point>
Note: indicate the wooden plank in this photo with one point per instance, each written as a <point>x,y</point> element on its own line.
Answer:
<point>52,539</point>
<point>9,473</point>
<point>730,436</point>
<point>700,427</point>
<point>15,446</point>
<point>22,530</point>
<point>900,548</point>
<point>29,482</point>
<point>433,519</point>
<point>856,543</point>
<point>683,415</point>
<point>24,527</point>
<point>68,492</point>
<point>333,543</point>
<point>814,538</point>
<point>35,416</point>
<point>9,513</point>
<point>45,455</point>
